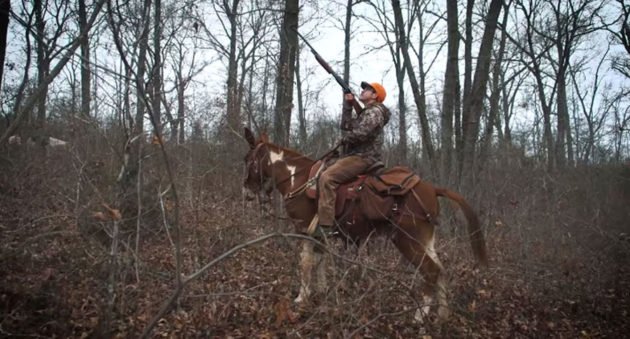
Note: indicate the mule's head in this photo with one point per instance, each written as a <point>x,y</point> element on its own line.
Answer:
<point>257,177</point>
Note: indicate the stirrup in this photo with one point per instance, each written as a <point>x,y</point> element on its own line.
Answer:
<point>325,231</point>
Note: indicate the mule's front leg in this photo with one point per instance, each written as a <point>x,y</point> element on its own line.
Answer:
<point>322,260</point>
<point>306,267</point>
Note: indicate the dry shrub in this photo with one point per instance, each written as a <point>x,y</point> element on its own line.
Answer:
<point>556,245</point>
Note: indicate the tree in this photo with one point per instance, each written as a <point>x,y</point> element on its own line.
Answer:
<point>573,21</point>
<point>622,35</point>
<point>5,9</point>
<point>85,62</point>
<point>387,28</point>
<point>450,102</point>
<point>41,90</point>
<point>473,104</point>
<point>231,11</point>
<point>495,92</point>
<point>559,26</point>
<point>533,50</point>
<point>427,142</point>
<point>156,71</point>
<point>181,56</point>
<point>285,73</point>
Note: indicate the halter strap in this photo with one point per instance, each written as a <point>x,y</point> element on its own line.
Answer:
<point>303,186</point>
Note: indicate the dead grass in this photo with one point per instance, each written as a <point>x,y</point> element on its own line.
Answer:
<point>558,243</point>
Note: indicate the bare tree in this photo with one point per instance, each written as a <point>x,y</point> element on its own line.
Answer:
<point>389,32</point>
<point>182,58</point>
<point>41,90</point>
<point>230,29</point>
<point>533,50</point>
<point>451,93</point>
<point>43,60</point>
<point>156,71</point>
<point>286,71</point>
<point>473,104</point>
<point>622,35</point>
<point>85,62</point>
<point>5,9</point>
<point>591,104</point>
<point>427,141</point>
<point>573,21</point>
<point>301,109</point>
<point>495,93</point>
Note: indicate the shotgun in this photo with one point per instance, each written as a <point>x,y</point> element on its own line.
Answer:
<point>323,63</point>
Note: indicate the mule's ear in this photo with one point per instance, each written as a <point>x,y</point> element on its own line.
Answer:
<point>249,136</point>
<point>264,137</point>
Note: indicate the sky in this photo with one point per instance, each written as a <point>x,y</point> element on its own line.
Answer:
<point>322,25</point>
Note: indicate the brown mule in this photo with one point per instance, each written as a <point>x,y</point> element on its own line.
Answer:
<point>410,221</point>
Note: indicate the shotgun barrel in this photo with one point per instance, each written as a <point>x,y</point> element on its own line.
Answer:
<point>326,66</point>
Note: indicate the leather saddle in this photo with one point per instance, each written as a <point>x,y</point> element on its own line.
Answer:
<point>382,183</point>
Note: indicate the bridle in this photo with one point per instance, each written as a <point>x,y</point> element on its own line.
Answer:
<point>255,165</point>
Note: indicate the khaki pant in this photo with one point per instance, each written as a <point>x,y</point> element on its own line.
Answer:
<point>342,171</point>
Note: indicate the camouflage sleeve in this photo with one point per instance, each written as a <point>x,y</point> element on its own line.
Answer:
<point>371,119</point>
<point>346,116</point>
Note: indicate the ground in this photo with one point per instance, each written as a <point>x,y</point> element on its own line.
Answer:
<point>570,281</point>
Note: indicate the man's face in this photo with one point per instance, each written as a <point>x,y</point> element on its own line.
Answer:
<point>367,95</point>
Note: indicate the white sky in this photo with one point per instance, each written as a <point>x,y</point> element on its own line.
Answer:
<point>328,41</point>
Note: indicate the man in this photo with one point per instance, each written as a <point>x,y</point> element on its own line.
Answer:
<point>362,148</point>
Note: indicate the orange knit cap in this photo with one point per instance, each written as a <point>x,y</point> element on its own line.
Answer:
<point>377,88</point>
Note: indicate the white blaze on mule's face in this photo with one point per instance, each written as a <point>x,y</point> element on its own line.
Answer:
<point>278,157</point>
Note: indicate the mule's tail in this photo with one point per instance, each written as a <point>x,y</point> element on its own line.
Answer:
<point>477,239</point>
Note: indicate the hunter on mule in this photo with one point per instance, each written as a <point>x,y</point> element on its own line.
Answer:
<point>394,202</point>
<point>352,197</point>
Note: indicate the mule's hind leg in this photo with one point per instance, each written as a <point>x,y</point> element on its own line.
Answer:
<point>417,245</point>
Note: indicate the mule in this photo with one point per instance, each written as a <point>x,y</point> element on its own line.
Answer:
<point>411,227</point>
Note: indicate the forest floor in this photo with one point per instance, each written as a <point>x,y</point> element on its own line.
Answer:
<point>56,281</point>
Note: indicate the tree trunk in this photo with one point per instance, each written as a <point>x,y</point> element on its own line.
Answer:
<point>468,40</point>
<point>562,121</point>
<point>474,103</point>
<point>301,109</point>
<point>402,116</point>
<point>415,88</point>
<point>178,126</point>
<point>495,96</point>
<point>156,76</point>
<point>233,109</point>
<point>43,64</point>
<point>451,78</point>
<point>85,63</point>
<point>346,42</point>
<point>286,71</point>
<point>5,8</point>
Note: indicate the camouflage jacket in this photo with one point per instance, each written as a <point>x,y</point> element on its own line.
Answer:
<point>364,134</point>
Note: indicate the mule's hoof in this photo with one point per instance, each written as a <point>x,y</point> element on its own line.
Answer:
<point>443,313</point>
<point>302,298</point>
<point>420,316</point>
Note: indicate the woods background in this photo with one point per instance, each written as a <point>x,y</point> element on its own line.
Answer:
<point>121,163</point>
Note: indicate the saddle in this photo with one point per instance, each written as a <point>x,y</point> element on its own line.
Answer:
<point>374,192</point>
